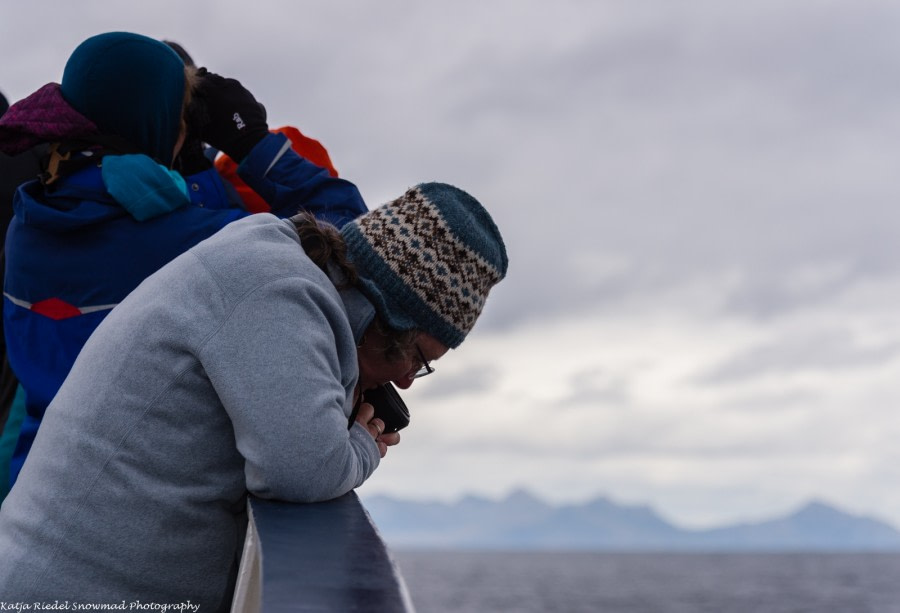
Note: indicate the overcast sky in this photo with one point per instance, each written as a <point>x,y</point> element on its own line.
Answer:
<point>699,198</point>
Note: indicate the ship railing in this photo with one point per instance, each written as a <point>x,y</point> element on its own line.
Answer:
<point>326,556</point>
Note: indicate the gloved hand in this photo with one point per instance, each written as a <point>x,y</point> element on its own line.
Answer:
<point>236,121</point>
<point>192,158</point>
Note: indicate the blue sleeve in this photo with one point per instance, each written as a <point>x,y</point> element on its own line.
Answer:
<point>290,183</point>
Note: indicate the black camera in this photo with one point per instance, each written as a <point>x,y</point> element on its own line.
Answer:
<point>389,407</point>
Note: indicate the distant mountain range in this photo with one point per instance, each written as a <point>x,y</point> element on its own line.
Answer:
<point>522,521</point>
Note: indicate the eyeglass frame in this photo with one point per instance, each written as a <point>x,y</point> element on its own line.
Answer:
<point>426,368</point>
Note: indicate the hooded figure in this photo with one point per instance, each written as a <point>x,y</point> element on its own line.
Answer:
<point>108,210</point>
<point>130,86</point>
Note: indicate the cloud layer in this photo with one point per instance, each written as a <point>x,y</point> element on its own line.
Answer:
<point>699,199</point>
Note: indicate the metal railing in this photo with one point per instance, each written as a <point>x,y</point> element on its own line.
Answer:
<point>326,556</point>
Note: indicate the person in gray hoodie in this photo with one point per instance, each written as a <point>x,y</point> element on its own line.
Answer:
<point>235,369</point>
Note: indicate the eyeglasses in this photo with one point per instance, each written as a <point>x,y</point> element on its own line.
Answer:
<point>425,368</point>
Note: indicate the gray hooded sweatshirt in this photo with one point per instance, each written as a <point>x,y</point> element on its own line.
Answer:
<point>230,370</point>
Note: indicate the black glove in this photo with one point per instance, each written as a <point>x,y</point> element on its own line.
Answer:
<point>236,121</point>
<point>192,158</point>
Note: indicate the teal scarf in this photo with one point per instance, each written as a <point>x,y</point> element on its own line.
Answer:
<point>144,188</point>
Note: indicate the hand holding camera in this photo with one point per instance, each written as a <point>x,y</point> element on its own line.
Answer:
<point>389,407</point>
<point>235,121</point>
<point>383,413</point>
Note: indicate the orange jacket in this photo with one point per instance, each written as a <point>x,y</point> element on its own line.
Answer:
<point>306,147</point>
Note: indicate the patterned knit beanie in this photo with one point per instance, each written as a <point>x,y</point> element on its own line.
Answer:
<point>427,260</point>
<point>131,86</point>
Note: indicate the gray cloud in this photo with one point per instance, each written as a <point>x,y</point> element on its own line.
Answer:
<point>596,386</point>
<point>478,380</point>
<point>661,442</point>
<point>793,397</point>
<point>823,351</point>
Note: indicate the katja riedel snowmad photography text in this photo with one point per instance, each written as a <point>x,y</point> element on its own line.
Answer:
<point>75,605</point>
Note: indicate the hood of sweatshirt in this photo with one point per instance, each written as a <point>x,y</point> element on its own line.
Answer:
<point>77,202</point>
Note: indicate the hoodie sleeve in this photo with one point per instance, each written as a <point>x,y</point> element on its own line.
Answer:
<point>286,180</point>
<point>283,366</point>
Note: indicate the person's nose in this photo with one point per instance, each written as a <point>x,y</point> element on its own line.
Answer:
<point>404,382</point>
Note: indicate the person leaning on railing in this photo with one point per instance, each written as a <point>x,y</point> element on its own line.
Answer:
<point>236,369</point>
<point>109,209</point>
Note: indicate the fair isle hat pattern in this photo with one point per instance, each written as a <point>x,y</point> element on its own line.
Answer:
<point>428,260</point>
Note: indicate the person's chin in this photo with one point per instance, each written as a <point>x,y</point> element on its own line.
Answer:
<point>367,385</point>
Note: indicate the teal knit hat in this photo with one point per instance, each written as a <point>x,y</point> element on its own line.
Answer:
<point>131,86</point>
<point>428,260</point>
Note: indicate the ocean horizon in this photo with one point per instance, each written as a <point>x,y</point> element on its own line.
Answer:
<point>452,581</point>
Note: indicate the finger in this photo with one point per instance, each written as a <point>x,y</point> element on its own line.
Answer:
<point>382,449</point>
<point>365,414</point>
<point>208,80</point>
<point>376,427</point>
<point>390,439</point>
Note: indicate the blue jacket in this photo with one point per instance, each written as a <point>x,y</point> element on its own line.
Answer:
<point>73,253</point>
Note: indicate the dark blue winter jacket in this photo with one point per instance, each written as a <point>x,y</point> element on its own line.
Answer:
<point>73,253</point>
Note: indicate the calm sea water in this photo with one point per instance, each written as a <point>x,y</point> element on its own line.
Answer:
<point>485,582</point>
